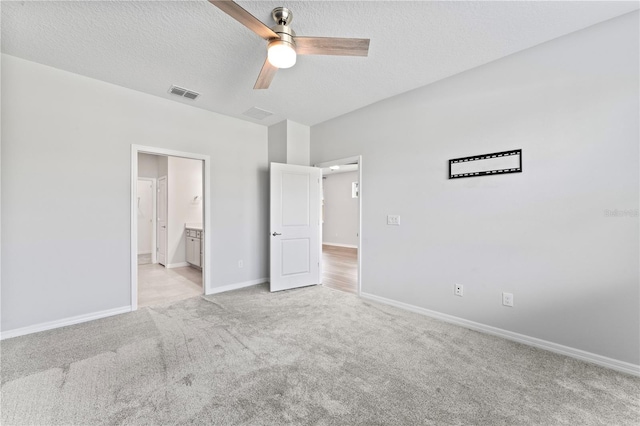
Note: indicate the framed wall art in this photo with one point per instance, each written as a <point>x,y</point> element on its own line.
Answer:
<point>497,163</point>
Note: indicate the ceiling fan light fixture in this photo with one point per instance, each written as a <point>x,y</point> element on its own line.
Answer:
<point>281,54</point>
<point>283,44</point>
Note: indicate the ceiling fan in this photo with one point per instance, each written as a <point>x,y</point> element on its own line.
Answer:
<point>284,44</point>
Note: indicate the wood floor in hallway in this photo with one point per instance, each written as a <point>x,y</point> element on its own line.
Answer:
<point>340,268</point>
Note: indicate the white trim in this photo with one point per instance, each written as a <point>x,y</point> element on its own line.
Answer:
<point>358,159</point>
<point>339,162</point>
<point>134,229</point>
<point>339,245</point>
<point>359,225</point>
<point>237,286</point>
<point>206,223</point>
<point>613,364</point>
<point>63,322</point>
<point>176,265</point>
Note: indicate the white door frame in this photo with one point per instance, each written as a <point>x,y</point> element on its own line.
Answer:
<point>206,214</point>
<point>342,161</point>
<point>154,223</point>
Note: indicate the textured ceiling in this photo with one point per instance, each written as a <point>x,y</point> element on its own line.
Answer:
<point>148,46</point>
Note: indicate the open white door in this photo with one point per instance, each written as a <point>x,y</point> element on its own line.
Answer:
<point>295,226</point>
<point>162,221</point>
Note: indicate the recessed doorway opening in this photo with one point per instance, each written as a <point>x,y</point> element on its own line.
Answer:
<point>169,215</point>
<point>341,224</point>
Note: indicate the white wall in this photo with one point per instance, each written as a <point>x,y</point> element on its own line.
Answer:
<point>277,134</point>
<point>163,165</point>
<point>148,165</point>
<point>340,224</point>
<point>289,143</point>
<point>572,106</point>
<point>66,165</point>
<point>298,143</point>
<point>184,184</point>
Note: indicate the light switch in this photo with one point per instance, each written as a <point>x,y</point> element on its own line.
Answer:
<point>393,219</point>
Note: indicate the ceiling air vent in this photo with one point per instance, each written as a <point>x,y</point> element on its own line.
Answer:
<point>185,93</point>
<point>257,113</point>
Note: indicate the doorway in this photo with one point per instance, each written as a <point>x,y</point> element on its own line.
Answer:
<point>341,224</point>
<point>178,231</point>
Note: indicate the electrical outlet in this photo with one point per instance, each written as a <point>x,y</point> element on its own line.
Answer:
<point>240,263</point>
<point>457,290</point>
<point>507,299</point>
<point>393,219</point>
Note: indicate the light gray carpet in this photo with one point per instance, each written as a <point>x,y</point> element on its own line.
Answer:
<point>306,356</point>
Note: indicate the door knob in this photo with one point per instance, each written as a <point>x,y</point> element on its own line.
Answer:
<point>275,233</point>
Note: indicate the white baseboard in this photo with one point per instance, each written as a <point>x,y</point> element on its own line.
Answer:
<point>63,322</point>
<point>600,360</point>
<point>236,286</point>
<point>176,265</point>
<point>340,245</point>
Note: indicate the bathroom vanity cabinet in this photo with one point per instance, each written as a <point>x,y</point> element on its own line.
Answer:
<point>194,247</point>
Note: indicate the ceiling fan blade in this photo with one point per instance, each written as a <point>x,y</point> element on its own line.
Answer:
<point>234,10</point>
<point>265,78</point>
<point>332,46</point>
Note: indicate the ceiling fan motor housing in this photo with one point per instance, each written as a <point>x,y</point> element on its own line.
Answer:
<point>286,34</point>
